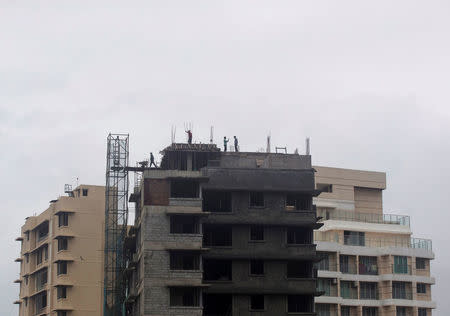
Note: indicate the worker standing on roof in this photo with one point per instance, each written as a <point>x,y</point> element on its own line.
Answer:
<point>225,143</point>
<point>152,160</point>
<point>189,132</point>
<point>236,145</point>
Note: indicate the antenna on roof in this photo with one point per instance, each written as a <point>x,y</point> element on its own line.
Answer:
<point>211,135</point>
<point>308,152</point>
<point>268,143</point>
<point>173,133</point>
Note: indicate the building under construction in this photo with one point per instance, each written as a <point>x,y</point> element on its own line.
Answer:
<point>222,233</point>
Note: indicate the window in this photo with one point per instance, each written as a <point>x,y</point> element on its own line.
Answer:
<point>368,265</point>
<point>323,310</point>
<point>85,192</point>
<point>61,292</point>
<point>369,311</point>
<point>184,225</point>
<point>421,288</point>
<point>62,244</point>
<point>257,233</point>
<point>257,267</point>
<point>421,263</point>
<point>401,265</point>
<point>399,291</point>
<point>42,231</point>
<point>257,302</point>
<point>401,311</point>
<point>324,264</point>
<point>217,270</point>
<point>422,312</point>
<point>27,235</point>
<point>27,258</point>
<point>324,187</point>
<point>62,267</point>
<point>216,201</point>
<point>349,290</point>
<point>184,261</point>
<point>42,254</point>
<point>298,202</point>
<point>368,291</point>
<point>298,269</point>
<point>184,189</point>
<point>63,219</point>
<point>26,280</point>
<point>345,311</point>
<point>354,238</point>
<point>26,301</point>
<point>297,236</point>
<point>347,265</point>
<point>62,313</point>
<point>41,301</point>
<point>300,304</point>
<point>184,296</point>
<point>41,279</point>
<point>217,236</point>
<point>256,199</point>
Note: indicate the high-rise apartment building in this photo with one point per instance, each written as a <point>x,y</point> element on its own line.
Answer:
<point>223,233</point>
<point>372,266</point>
<point>61,258</point>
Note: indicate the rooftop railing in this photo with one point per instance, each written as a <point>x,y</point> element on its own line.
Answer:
<point>341,215</point>
<point>399,242</point>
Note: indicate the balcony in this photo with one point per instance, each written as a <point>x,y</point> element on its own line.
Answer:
<point>352,216</point>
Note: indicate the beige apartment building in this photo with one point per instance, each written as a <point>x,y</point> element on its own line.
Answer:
<point>372,266</point>
<point>61,258</point>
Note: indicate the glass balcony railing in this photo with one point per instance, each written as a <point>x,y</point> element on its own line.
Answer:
<point>399,242</point>
<point>353,216</point>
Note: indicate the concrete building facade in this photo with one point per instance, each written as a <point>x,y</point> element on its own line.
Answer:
<point>372,266</point>
<point>221,234</point>
<point>61,258</point>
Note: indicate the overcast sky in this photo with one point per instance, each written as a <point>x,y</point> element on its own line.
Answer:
<point>367,81</point>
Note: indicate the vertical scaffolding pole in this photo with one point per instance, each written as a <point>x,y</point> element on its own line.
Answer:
<point>116,219</point>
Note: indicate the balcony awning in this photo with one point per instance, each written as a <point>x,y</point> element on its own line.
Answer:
<point>19,259</point>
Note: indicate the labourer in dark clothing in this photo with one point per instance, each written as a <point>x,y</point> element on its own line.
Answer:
<point>152,160</point>
<point>236,145</point>
<point>225,143</point>
<point>189,136</point>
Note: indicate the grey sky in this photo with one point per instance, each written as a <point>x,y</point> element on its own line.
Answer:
<point>368,82</point>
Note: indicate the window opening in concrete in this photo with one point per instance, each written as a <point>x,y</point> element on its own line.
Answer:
<point>368,290</point>
<point>257,267</point>
<point>85,192</point>
<point>217,270</point>
<point>41,279</point>
<point>297,235</point>
<point>325,187</point>
<point>184,296</point>
<point>27,258</point>
<point>399,291</point>
<point>41,301</point>
<point>401,265</point>
<point>184,225</point>
<point>300,304</point>
<point>256,199</point>
<point>42,231</point>
<point>42,255</point>
<point>27,235</point>
<point>26,280</point>
<point>62,313</point>
<point>184,189</point>
<point>184,261</point>
<point>61,267</point>
<point>257,233</point>
<point>217,304</point>
<point>62,243</point>
<point>349,290</point>
<point>63,219</point>
<point>216,201</point>
<point>421,263</point>
<point>368,265</point>
<point>324,264</point>
<point>345,310</point>
<point>401,311</point>
<point>369,311</point>
<point>217,236</point>
<point>61,292</point>
<point>298,269</point>
<point>354,238</point>
<point>257,302</point>
<point>298,202</point>
<point>421,288</point>
<point>328,286</point>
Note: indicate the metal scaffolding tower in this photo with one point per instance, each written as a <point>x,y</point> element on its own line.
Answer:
<point>116,219</point>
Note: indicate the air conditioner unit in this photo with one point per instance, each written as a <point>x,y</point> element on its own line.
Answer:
<point>335,281</point>
<point>355,284</point>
